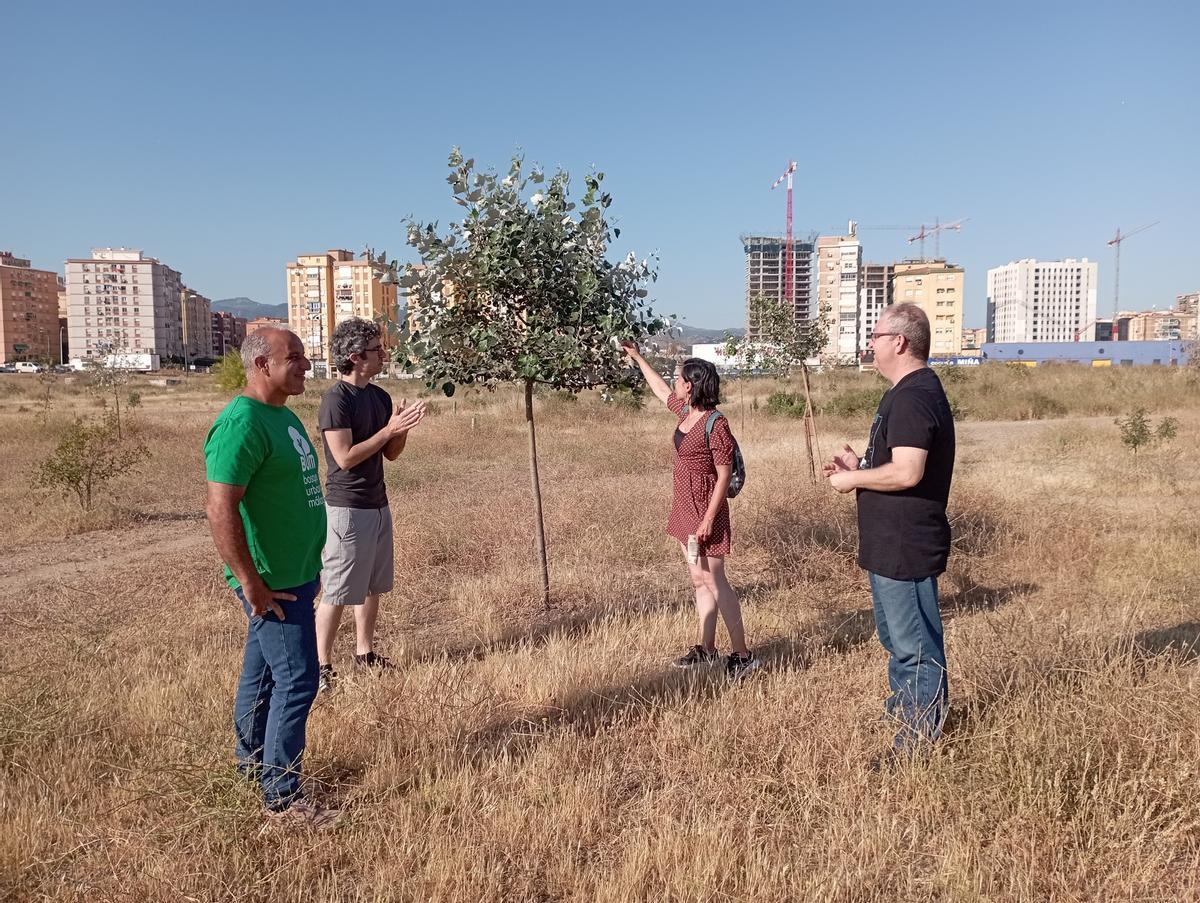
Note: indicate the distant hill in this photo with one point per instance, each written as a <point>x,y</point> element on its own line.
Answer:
<point>695,335</point>
<point>250,309</point>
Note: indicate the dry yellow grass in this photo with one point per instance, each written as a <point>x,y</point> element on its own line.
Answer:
<point>518,754</point>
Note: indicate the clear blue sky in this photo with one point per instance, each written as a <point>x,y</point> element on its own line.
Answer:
<point>225,138</point>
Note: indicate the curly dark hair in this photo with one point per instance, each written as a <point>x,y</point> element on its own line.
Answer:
<point>351,337</point>
<point>706,383</point>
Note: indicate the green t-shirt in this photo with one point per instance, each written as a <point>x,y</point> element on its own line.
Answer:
<point>265,449</point>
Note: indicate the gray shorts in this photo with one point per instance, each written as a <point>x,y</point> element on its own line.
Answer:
<point>358,557</point>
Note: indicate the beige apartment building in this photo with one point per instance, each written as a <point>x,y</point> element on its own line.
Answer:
<point>325,289</point>
<point>1161,326</point>
<point>839,283</point>
<point>29,329</point>
<point>197,324</point>
<point>937,287</point>
<point>121,300</point>
<point>261,322</point>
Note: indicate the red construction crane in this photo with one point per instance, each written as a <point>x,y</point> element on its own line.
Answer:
<point>935,232</point>
<point>788,294</point>
<point>1115,243</point>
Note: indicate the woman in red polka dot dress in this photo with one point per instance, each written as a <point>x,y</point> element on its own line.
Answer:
<point>699,506</point>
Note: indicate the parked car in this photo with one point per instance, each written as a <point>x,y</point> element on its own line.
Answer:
<point>7,368</point>
<point>28,367</point>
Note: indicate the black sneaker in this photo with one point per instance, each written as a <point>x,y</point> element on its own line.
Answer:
<point>739,664</point>
<point>325,681</point>
<point>371,660</point>
<point>697,655</point>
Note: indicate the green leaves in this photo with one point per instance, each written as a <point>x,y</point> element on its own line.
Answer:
<point>521,287</point>
<point>776,341</point>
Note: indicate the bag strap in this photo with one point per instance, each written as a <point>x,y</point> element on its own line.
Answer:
<point>708,427</point>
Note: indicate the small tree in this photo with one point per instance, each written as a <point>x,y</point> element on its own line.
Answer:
<point>230,373</point>
<point>48,379</point>
<point>521,291</point>
<point>1137,430</point>
<point>107,376</point>
<point>778,342</point>
<point>89,456</point>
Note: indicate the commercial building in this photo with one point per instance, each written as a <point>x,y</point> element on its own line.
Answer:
<point>228,330</point>
<point>197,325</point>
<point>839,281</point>
<point>325,289</point>
<point>937,288</point>
<point>29,328</point>
<point>1041,300</point>
<point>1093,354</point>
<point>765,270</point>
<point>120,300</point>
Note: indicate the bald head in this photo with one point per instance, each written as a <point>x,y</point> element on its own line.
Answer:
<point>263,342</point>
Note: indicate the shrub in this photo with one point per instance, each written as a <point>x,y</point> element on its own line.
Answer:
<point>89,456</point>
<point>854,402</point>
<point>950,374</point>
<point>1137,430</point>
<point>787,404</point>
<point>230,374</point>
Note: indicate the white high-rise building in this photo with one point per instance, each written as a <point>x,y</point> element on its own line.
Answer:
<point>1041,300</point>
<point>122,301</point>
<point>839,279</point>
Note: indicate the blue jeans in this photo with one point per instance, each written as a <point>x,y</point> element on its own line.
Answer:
<point>910,629</point>
<point>276,690</point>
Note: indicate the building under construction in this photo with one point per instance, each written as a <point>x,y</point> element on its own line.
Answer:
<point>765,272</point>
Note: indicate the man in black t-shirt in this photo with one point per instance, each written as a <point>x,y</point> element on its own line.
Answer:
<point>903,482</point>
<point>359,428</point>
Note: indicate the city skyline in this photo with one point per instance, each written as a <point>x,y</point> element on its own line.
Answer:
<point>1051,131</point>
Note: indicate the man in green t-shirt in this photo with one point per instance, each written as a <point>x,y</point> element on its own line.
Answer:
<point>267,517</point>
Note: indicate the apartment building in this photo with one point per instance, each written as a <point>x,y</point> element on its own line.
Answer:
<point>875,294</point>
<point>937,288</point>
<point>765,265</point>
<point>121,300</point>
<point>1161,326</point>
<point>260,322</point>
<point>197,324</point>
<point>228,330</point>
<point>973,339</point>
<point>29,328</point>
<point>1041,300</point>
<point>839,286</point>
<point>325,289</point>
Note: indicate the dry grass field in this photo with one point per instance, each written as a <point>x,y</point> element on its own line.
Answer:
<point>522,754</point>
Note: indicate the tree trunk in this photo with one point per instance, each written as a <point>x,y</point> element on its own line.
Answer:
<point>810,428</point>
<point>539,526</point>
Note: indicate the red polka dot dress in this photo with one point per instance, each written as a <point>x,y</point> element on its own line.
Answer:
<point>694,480</point>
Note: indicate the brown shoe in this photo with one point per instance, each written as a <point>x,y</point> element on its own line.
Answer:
<point>302,813</point>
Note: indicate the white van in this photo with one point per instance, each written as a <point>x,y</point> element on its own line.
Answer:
<point>28,367</point>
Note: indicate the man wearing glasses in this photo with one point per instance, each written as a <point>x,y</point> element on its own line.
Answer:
<point>903,482</point>
<point>359,428</point>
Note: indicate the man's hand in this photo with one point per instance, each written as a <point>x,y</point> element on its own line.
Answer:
<point>405,417</point>
<point>847,460</point>
<point>262,599</point>
<point>842,480</point>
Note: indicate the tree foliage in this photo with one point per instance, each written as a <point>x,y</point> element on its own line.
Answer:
<point>777,341</point>
<point>89,456</point>
<point>230,373</point>
<point>521,289</point>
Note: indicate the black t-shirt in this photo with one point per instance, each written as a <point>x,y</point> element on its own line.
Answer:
<point>364,412</point>
<point>905,535</point>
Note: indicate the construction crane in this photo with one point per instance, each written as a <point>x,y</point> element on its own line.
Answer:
<point>936,233</point>
<point>788,293</point>
<point>1115,243</point>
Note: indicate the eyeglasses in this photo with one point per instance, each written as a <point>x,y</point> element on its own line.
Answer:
<point>880,335</point>
<point>376,349</point>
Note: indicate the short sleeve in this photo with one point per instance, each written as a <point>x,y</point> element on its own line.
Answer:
<point>234,451</point>
<point>336,411</point>
<point>721,442</point>
<point>676,404</point>
<point>912,422</point>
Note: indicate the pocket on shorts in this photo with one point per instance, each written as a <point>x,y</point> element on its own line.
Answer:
<point>341,525</point>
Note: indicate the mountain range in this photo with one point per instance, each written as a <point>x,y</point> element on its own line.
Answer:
<point>250,309</point>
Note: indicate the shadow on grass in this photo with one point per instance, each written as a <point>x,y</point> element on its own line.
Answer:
<point>1181,641</point>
